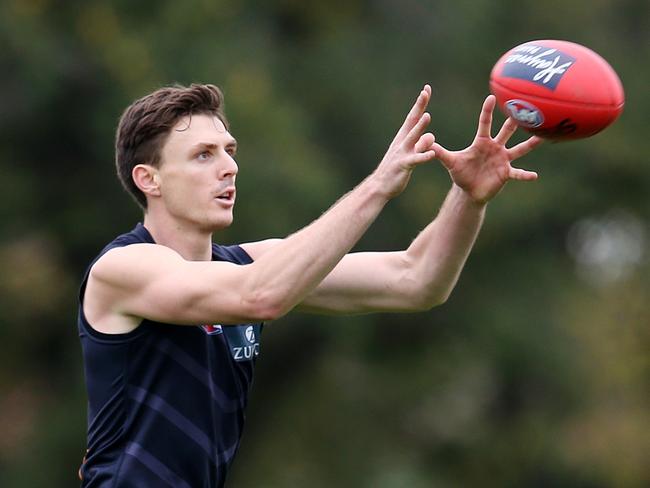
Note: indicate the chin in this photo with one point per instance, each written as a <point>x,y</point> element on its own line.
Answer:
<point>219,224</point>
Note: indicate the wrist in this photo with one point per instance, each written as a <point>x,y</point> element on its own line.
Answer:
<point>375,188</point>
<point>467,199</point>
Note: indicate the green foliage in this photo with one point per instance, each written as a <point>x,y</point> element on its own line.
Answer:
<point>535,371</point>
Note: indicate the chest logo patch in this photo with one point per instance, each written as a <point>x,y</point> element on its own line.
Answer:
<point>243,341</point>
<point>250,333</point>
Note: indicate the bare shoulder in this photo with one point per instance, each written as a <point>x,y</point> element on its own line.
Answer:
<point>154,282</point>
<point>119,264</point>
<point>118,274</point>
<point>256,249</point>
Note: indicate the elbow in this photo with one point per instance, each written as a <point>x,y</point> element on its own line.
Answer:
<point>425,300</point>
<point>266,312</point>
<point>270,312</point>
<point>439,299</point>
<point>423,294</point>
<point>267,306</point>
<point>423,289</point>
<point>429,302</point>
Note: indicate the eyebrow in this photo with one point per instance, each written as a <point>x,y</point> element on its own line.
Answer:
<point>231,144</point>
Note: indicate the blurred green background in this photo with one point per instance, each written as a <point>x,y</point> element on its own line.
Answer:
<point>536,372</point>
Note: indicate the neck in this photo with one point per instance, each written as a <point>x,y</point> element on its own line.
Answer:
<point>192,243</point>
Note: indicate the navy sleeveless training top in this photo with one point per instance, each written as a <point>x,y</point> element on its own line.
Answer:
<point>165,402</point>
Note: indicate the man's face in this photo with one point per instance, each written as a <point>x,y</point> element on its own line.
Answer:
<point>197,173</point>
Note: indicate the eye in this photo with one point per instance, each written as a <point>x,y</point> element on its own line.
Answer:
<point>204,156</point>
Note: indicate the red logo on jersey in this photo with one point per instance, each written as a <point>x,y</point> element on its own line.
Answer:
<point>212,329</point>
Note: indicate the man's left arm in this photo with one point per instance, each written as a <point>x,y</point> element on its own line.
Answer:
<point>424,275</point>
<point>415,279</point>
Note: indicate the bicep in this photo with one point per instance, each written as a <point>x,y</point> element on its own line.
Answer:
<point>365,282</point>
<point>256,249</point>
<point>155,283</point>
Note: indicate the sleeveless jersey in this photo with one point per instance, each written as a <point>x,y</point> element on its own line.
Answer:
<point>165,402</point>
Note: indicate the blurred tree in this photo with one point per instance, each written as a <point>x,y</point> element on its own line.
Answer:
<point>535,371</point>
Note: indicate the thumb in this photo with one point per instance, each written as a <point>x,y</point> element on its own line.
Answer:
<point>442,154</point>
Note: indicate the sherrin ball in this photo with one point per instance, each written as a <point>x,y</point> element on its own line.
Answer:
<point>557,89</point>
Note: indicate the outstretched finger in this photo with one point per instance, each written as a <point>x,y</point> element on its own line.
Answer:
<point>485,118</point>
<point>424,157</point>
<point>417,131</point>
<point>416,111</point>
<point>424,142</point>
<point>521,174</point>
<point>524,148</point>
<point>508,128</point>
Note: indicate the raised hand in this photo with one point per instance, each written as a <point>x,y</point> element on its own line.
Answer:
<point>410,148</point>
<point>483,168</point>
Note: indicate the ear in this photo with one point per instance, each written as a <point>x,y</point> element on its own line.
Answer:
<point>147,179</point>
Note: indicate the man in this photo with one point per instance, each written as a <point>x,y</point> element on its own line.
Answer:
<point>170,322</point>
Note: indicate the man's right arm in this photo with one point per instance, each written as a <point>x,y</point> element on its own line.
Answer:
<point>154,282</point>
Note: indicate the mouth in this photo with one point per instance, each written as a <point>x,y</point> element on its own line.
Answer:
<point>227,196</point>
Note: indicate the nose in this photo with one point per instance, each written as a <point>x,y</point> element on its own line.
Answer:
<point>229,169</point>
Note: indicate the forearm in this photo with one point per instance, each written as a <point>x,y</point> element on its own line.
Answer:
<point>295,267</point>
<point>437,256</point>
<point>292,269</point>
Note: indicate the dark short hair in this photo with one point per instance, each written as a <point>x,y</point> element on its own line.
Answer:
<point>147,122</point>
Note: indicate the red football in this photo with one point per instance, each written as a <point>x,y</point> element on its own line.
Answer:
<point>557,89</point>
